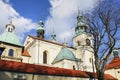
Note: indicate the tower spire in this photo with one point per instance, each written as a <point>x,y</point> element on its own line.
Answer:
<point>40,30</point>
<point>10,27</point>
<point>53,36</point>
<point>81,27</point>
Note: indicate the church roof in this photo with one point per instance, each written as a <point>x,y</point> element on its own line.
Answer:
<point>65,54</point>
<point>49,41</point>
<point>20,67</point>
<point>114,64</point>
<point>10,38</point>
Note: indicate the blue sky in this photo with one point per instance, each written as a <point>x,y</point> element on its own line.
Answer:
<point>58,16</point>
<point>33,9</point>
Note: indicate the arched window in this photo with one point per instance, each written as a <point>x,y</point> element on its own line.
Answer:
<point>45,57</point>
<point>11,52</point>
<point>88,42</point>
<point>78,43</point>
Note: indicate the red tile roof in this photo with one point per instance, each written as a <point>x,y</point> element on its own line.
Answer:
<point>26,53</point>
<point>114,64</point>
<point>109,77</point>
<point>35,37</point>
<point>38,69</point>
<point>12,66</point>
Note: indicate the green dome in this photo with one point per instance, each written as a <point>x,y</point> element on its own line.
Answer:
<point>10,38</point>
<point>65,54</point>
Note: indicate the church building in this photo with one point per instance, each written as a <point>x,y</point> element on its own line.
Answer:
<point>52,53</point>
<point>41,59</point>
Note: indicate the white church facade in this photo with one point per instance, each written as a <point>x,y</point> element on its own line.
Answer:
<point>37,50</point>
<point>52,53</point>
<point>41,59</point>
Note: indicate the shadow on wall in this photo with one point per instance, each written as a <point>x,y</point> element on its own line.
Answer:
<point>44,78</point>
<point>5,76</point>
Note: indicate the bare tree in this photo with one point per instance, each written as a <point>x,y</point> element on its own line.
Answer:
<point>103,24</point>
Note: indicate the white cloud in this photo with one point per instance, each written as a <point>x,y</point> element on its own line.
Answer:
<point>22,24</point>
<point>62,18</point>
<point>63,15</point>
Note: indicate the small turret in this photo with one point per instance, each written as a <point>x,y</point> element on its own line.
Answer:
<point>10,27</point>
<point>40,30</point>
<point>115,53</point>
<point>9,36</point>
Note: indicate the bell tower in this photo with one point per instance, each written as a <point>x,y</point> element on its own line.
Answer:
<point>82,37</point>
<point>40,30</point>
<point>82,43</point>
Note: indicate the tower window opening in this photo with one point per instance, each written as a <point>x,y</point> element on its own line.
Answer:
<point>78,43</point>
<point>10,29</point>
<point>88,42</point>
<point>82,27</point>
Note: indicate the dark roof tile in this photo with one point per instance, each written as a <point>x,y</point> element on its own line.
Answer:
<point>12,66</point>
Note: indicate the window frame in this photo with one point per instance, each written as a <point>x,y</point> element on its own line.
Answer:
<point>45,57</point>
<point>11,52</point>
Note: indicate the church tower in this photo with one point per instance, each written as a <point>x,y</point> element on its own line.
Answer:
<point>82,37</point>
<point>40,30</point>
<point>82,43</point>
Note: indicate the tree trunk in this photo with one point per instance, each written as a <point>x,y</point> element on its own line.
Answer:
<point>101,76</point>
